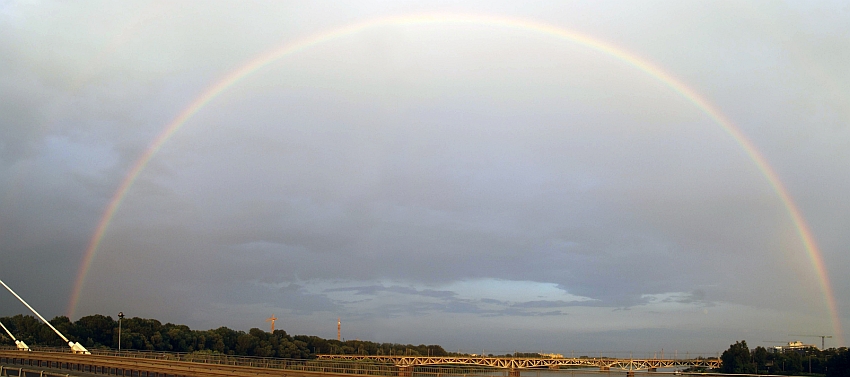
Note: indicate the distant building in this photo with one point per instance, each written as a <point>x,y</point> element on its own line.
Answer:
<point>796,346</point>
<point>551,356</point>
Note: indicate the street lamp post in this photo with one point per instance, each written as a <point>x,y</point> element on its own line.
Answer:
<point>120,317</point>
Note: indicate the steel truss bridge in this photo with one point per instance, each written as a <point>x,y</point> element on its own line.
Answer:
<point>603,363</point>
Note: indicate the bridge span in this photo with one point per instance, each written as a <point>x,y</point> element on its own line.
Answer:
<point>125,363</point>
<point>167,364</point>
<point>603,363</point>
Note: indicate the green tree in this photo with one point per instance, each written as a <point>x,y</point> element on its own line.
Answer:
<point>97,331</point>
<point>34,332</point>
<point>839,363</point>
<point>737,359</point>
<point>65,327</point>
<point>225,340</point>
<point>793,363</point>
<point>149,334</point>
<point>246,343</point>
<point>760,358</point>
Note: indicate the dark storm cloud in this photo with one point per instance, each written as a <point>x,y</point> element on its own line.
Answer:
<point>469,176</point>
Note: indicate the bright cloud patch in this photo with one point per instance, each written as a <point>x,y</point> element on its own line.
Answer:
<point>491,297</point>
<point>511,291</point>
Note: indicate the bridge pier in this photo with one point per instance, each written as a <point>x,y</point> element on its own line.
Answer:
<point>630,373</point>
<point>604,369</point>
<point>405,371</point>
<point>513,372</point>
<point>652,370</point>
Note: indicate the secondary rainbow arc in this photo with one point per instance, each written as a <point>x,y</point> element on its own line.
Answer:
<point>262,60</point>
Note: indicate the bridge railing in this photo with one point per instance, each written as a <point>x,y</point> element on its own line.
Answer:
<point>23,372</point>
<point>304,365</point>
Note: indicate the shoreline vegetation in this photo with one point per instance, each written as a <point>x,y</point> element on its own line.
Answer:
<point>811,361</point>
<point>99,331</point>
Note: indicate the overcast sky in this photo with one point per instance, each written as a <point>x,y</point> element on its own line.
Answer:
<point>467,184</point>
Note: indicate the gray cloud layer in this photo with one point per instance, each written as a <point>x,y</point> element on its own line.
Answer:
<point>470,185</point>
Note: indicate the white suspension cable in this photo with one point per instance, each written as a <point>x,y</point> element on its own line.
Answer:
<point>75,347</point>
<point>8,332</point>
<point>20,343</point>
<point>36,313</point>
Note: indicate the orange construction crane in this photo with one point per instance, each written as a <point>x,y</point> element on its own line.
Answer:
<point>272,319</point>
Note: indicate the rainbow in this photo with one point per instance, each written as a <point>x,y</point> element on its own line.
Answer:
<point>255,64</point>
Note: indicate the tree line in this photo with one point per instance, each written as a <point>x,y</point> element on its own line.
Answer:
<point>829,362</point>
<point>99,331</point>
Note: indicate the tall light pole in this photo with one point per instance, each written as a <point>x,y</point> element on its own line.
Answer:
<point>120,317</point>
